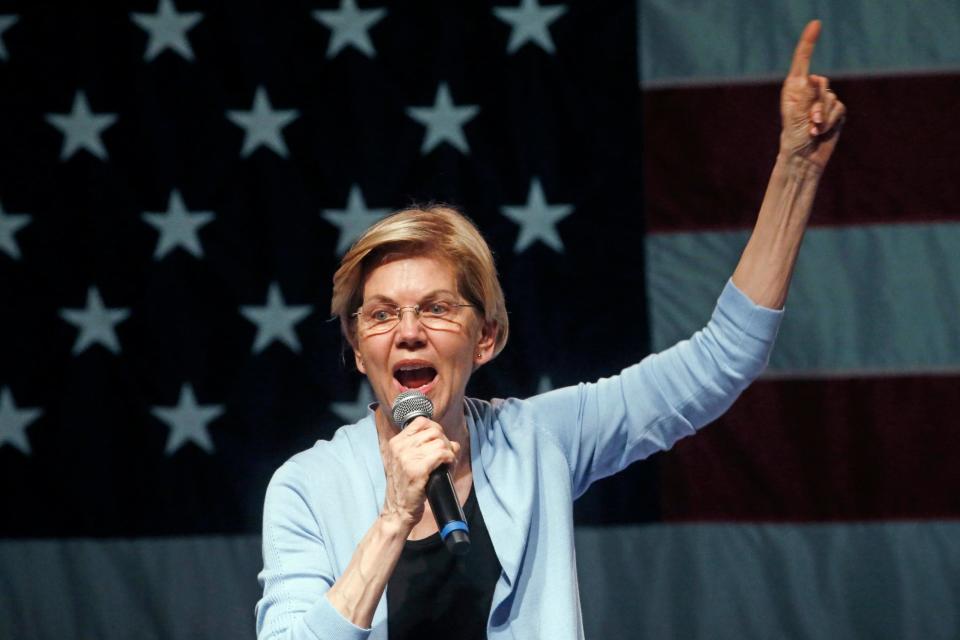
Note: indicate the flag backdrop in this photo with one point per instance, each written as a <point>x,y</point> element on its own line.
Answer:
<point>178,180</point>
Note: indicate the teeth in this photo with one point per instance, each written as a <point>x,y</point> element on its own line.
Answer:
<point>412,367</point>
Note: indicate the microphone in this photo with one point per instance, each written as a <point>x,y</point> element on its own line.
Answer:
<point>440,491</point>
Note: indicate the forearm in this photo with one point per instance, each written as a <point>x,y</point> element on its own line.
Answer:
<point>767,262</point>
<point>357,592</point>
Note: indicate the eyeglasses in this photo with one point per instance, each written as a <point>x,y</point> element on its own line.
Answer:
<point>380,317</point>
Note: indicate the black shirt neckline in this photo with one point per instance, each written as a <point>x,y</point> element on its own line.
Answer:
<point>434,539</point>
<point>433,591</point>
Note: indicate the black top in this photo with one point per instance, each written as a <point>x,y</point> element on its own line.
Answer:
<point>435,594</point>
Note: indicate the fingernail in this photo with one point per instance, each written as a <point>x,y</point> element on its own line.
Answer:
<point>814,131</point>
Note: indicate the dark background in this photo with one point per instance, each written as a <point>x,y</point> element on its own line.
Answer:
<point>97,465</point>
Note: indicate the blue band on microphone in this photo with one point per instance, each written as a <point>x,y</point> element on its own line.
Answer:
<point>456,525</point>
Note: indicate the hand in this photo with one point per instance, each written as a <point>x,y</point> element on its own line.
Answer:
<point>408,459</point>
<point>812,114</point>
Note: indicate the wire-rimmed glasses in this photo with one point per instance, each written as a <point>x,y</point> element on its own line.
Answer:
<point>379,317</point>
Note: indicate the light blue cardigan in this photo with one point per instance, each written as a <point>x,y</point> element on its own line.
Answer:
<point>530,459</point>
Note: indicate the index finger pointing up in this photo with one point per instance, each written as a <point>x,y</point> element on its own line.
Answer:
<point>804,51</point>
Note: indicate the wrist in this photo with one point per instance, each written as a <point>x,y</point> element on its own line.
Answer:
<point>392,523</point>
<point>798,165</point>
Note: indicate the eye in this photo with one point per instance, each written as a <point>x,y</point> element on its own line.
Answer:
<point>382,314</point>
<point>438,308</point>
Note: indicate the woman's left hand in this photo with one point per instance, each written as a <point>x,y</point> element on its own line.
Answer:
<point>811,113</point>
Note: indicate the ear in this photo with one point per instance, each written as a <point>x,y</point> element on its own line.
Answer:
<point>358,359</point>
<point>486,342</point>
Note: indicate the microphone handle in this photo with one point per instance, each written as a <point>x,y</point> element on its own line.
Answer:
<point>447,510</point>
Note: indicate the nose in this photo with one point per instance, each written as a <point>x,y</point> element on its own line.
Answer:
<point>409,330</point>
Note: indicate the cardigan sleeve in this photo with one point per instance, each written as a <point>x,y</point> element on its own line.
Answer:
<point>604,426</point>
<point>296,572</point>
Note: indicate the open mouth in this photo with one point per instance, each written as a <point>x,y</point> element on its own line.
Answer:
<point>414,376</point>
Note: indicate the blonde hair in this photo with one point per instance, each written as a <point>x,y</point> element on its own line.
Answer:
<point>432,230</point>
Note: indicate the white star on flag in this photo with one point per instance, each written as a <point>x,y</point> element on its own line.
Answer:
<point>14,422</point>
<point>262,125</point>
<point>275,320</point>
<point>178,227</point>
<point>167,29</point>
<point>6,21</point>
<point>96,323</point>
<point>188,421</point>
<point>530,23</point>
<point>82,128</point>
<point>444,121</point>
<point>537,219</point>
<point>353,220</point>
<point>351,412</point>
<point>349,26</point>
<point>10,223</point>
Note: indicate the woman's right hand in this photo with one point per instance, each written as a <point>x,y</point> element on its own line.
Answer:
<point>408,459</point>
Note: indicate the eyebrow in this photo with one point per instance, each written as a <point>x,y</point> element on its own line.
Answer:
<point>432,294</point>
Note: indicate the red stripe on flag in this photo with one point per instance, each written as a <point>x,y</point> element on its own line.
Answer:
<point>708,152</point>
<point>824,450</point>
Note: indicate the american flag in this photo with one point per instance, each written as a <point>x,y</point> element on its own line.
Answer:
<point>179,178</point>
<point>178,182</point>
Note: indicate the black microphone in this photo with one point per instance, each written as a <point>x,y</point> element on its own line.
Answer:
<point>440,491</point>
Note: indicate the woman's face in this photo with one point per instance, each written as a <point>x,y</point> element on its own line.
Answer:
<point>438,362</point>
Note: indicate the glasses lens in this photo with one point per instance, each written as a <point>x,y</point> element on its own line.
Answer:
<point>378,318</point>
<point>441,314</point>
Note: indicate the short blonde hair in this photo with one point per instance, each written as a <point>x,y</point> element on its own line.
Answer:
<point>432,230</point>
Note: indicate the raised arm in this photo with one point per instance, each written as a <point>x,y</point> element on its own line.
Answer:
<point>602,427</point>
<point>812,116</point>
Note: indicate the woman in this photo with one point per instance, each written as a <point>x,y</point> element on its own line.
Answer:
<point>351,549</point>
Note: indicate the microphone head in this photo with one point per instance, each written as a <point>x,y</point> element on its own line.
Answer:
<point>409,405</point>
